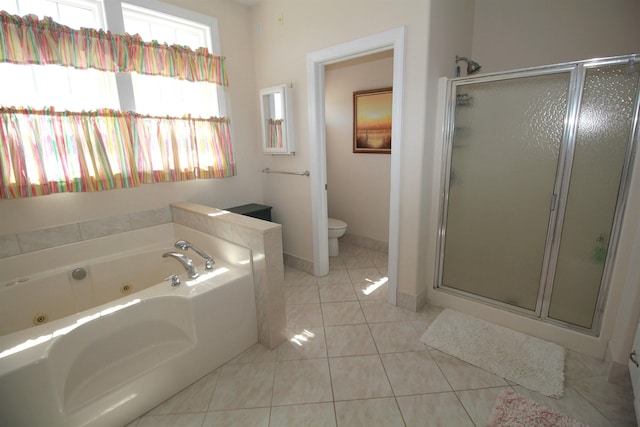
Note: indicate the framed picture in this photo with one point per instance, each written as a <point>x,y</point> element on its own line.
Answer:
<point>372,121</point>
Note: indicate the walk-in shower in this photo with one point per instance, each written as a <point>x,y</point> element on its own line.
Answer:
<point>537,167</point>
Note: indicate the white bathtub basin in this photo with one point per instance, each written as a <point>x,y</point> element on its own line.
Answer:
<point>106,365</point>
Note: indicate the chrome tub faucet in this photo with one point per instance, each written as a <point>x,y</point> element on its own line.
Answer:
<point>208,261</point>
<point>186,262</point>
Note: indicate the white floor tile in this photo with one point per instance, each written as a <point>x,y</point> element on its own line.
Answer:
<point>438,409</point>
<point>359,377</point>
<point>369,413</point>
<point>302,381</point>
<point>352,359</point>
<point>309,415</point>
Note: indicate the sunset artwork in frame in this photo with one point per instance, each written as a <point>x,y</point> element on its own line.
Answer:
<point>372,121</point>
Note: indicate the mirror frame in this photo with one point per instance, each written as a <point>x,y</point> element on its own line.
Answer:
<point>288,146</point>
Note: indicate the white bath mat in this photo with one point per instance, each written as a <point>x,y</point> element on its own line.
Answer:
<point>531,362</point>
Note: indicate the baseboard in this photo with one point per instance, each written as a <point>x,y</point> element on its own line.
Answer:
<point>298,263</point>
<point>411,302</point>
<point>617,373</point>
<point>365,242</point>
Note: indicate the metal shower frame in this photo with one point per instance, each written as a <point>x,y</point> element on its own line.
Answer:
<point>577,72</point>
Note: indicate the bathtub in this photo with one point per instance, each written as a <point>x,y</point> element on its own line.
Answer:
<point>104,349</point>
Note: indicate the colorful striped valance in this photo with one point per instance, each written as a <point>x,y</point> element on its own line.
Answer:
<point>30,40</point>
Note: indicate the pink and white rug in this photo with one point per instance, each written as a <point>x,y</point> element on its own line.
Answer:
<point>512,409</point>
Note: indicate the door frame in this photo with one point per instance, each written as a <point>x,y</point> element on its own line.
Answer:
<point>388,40</point>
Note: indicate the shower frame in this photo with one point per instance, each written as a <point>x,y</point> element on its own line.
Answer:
<point>558,203</point>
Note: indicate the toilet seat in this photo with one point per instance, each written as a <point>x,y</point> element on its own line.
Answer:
<point>336,224</point>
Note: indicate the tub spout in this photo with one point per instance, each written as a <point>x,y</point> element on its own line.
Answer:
<point>186,262</point>
<point>208,261</point>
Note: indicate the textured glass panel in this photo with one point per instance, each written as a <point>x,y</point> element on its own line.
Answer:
<point>604,127</point>
<point>503,165</point>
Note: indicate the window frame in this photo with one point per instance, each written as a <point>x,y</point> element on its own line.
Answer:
<point>114,18</point>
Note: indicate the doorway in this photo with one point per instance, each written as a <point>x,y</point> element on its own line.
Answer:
<point>316,62</point>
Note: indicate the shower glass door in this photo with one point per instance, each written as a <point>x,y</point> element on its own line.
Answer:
<point>537,173</point>
<point>603,133</point>
<point>504,158</point>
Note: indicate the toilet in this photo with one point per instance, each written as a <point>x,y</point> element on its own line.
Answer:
<point>337,229</point>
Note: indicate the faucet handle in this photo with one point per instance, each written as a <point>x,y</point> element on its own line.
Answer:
<point>175,280</point>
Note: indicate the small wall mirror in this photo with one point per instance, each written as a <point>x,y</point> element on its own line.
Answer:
<point>277,120</point>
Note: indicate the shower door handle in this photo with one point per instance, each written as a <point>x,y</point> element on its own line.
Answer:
<point>554,202</point>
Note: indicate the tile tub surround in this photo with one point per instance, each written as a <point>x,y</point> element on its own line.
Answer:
<point>265,241</point>
<point>31,241</point>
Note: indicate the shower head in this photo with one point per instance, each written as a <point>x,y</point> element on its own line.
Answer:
<point>472,66</point>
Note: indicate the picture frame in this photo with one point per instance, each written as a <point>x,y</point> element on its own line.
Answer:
<point>372,121</point>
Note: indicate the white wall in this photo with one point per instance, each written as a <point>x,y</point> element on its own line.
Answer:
<point>21,215</point>
<point>450,34</point>
<point>510,34</point>
<point>358,183</point>
<point>281,53</point>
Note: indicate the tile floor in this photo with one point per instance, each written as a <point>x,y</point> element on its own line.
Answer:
<point>354,360</point>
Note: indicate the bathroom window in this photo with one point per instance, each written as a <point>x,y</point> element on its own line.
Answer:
<point>163,95</point>
<point>67,88</point>
<point>64,88</point>
<point>64,129</point>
